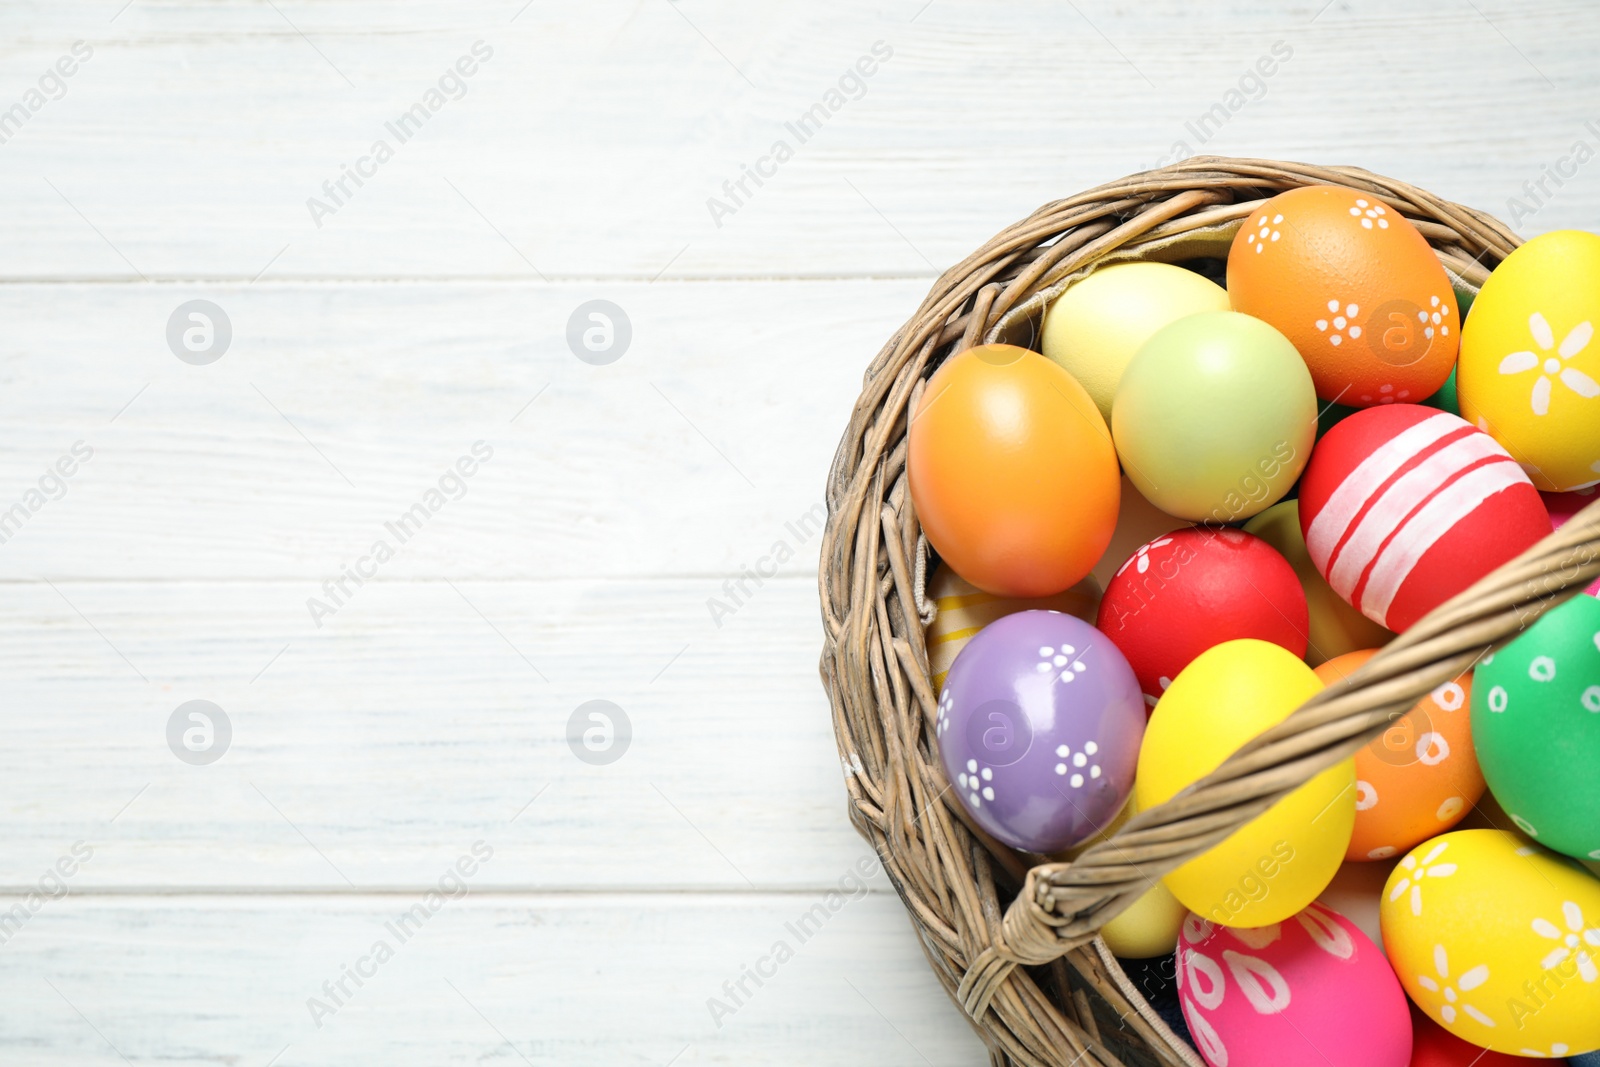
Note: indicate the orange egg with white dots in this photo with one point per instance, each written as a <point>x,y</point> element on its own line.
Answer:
<point>1357,289</point>
<point>1420,776</point>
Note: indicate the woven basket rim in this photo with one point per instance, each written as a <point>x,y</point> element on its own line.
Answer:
<point>1032,975</point>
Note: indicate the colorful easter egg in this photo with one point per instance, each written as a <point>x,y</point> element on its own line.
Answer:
<point>1191,589</point>
<point>1562,506</point>
<point>1039,727</point>
<point>1312,989</point>
<point>1138,522</point>
<point>962,609</point>
<point>1419,777</point>
<point>1434,1046</point>
<point>1215,417</point>
<point>1530,364</point>
<point>1097,323</point>
<point>1012,472</point>
<point>1497,941</point>
<point>1536,725</point>
<point>1279,861</point>
<point>1334,626</point>
<point>1355,287</point>
<point>1403,507</point>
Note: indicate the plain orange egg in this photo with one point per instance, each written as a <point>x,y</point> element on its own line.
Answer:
<point>1355,286</point>
<point>1419,777</point>
<point>1012,472</point>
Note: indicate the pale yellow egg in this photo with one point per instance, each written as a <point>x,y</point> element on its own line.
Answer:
<point>1096,325</point>
<point>1148,928</point>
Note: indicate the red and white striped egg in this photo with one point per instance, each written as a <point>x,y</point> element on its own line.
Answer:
<point>1403,507</point>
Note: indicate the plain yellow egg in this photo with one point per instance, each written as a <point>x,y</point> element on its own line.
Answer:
<point>1096,325</point>
<point>1277,863</point>
<point>1148,928</point>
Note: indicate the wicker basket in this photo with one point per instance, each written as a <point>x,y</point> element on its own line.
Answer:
<point>1011,936</point>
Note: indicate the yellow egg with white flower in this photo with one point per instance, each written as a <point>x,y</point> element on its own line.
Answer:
<point>1498,941</point>
<point>1529,371</point>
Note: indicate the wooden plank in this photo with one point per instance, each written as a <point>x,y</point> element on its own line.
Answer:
<point>543,981</point>
<point>590,144</point>
<point>423,714</point>
<point>335,409</point>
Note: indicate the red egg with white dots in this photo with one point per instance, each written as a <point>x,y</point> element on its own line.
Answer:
<point>1403,507</point>
<point>1194,588</point>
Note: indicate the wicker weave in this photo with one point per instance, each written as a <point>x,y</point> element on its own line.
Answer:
<point>1013,942</point>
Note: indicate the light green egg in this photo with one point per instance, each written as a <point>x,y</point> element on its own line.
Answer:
<point>1215,417</point>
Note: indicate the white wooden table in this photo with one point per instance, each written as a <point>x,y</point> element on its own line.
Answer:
<point>213,912</point>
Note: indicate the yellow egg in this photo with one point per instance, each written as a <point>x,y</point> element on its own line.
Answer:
<point>1278,862</point>
<point>1148,928</point>
<point>1498,941</point>
<point>964,609</point>
<point>1096,325</point>
<point>1336,627</point>
<point>1529,371</point>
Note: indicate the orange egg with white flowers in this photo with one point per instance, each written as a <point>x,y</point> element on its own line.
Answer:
<point>1357,289</point>
<point>1012,471</point>
<point>1419,777</point>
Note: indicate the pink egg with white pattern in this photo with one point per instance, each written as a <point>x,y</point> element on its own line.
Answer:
<point>1313,989</point>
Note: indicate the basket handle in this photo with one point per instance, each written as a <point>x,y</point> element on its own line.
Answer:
<point>1062,905</point>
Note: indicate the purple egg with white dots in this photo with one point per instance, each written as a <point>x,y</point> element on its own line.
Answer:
<point>1039,726</point>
